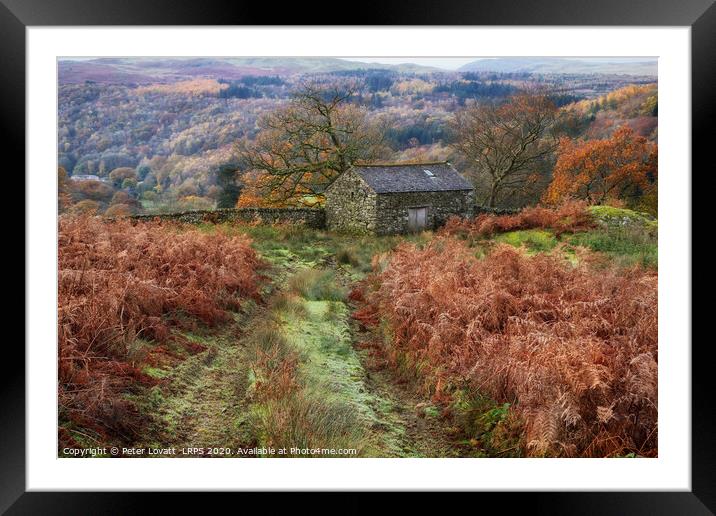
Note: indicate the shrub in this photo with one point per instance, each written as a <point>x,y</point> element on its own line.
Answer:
<point>120,281</point>
<point>572,350</point>
<point>92,190</point>
<point>272,362</point>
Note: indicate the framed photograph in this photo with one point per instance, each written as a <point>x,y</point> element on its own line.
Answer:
<point>443,248</point>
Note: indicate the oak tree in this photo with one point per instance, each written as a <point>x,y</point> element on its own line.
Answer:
<point>505,143</point>
<point>623,166</point>
<point>303,147</point>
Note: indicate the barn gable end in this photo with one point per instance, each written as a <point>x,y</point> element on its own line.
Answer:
<point>350,205</point>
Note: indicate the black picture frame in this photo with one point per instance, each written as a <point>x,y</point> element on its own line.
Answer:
<point>16,15</point>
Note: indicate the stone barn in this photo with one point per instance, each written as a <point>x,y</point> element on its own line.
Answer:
<point>397,198</point>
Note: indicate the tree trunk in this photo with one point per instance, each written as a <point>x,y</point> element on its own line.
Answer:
<point>493,196</point>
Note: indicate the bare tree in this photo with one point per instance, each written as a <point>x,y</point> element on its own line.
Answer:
<point>505,143</point>
<point>304,146</point>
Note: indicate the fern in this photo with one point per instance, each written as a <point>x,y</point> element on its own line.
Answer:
<point>574,347</point>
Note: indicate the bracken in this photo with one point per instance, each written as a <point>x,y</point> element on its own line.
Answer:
<point>573,350</point>
<point>568,218</point>
<point>122,281</point>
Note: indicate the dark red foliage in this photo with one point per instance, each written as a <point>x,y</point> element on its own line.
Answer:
<point>121,281</point>
<point>570,217</point>
<point>572,348</point>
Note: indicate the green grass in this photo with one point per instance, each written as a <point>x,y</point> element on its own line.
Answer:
<point>305,421</point>
<point>306,329</point>
<point>316,285</point>
<point>287,303</point>
<point>291,247</point>
<point>155,372</point>
<point>328,362</point>
<point>627,237</point>
<point>627,246</point>
<point>535,240</point>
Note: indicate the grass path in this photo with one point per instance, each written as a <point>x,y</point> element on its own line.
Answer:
<point>200,402</point>
<point>340,396</point>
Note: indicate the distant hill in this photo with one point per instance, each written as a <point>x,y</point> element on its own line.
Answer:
<point>563,65</point>
<point>149,70</point>
<point>324,64</point>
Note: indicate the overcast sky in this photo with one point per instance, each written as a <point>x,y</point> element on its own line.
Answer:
<point>446,63</point>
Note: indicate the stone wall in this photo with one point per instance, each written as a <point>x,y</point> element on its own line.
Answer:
<point>478,210</point>
<point>350,205</point>
<point>311,217</point>
<point>392,209</point>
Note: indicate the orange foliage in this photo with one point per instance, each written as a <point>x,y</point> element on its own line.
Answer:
<point>118,210</point>
<point>570,217</point>
<point>630,97</point>
<point>621,166</point>
<point>573,350</point>
<point>122,280</point>
<point>192,86</point>
<point>260,190</point>
<point>86,207</point>
<point>252,192</point>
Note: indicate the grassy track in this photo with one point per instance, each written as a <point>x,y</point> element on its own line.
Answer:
<point>220,398</point>
<point>298,371</point>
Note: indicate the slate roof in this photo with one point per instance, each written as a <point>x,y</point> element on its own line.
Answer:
<point>421,177</point>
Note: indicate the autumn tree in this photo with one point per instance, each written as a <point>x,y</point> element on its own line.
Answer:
<point>120,198</point>
<point>505,143</point>
<point>119,210</point>
<point>623,166</point>
<point>304,146</point>
<point>85,207</point>
<point>93,190</point>
<point>123,198</point>
<point>119,175</point>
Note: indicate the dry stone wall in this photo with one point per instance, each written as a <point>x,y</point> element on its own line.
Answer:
<point>354,209</point>
<point>311,217</point>
<point>479,210</point>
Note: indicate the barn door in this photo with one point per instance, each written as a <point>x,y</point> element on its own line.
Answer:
<point>417,218</point>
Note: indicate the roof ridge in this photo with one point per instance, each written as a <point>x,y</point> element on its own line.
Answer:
<point>401,164</point>
<point>412,177</point>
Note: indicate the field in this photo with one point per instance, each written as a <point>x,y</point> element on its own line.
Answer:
<point>525,335</point>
